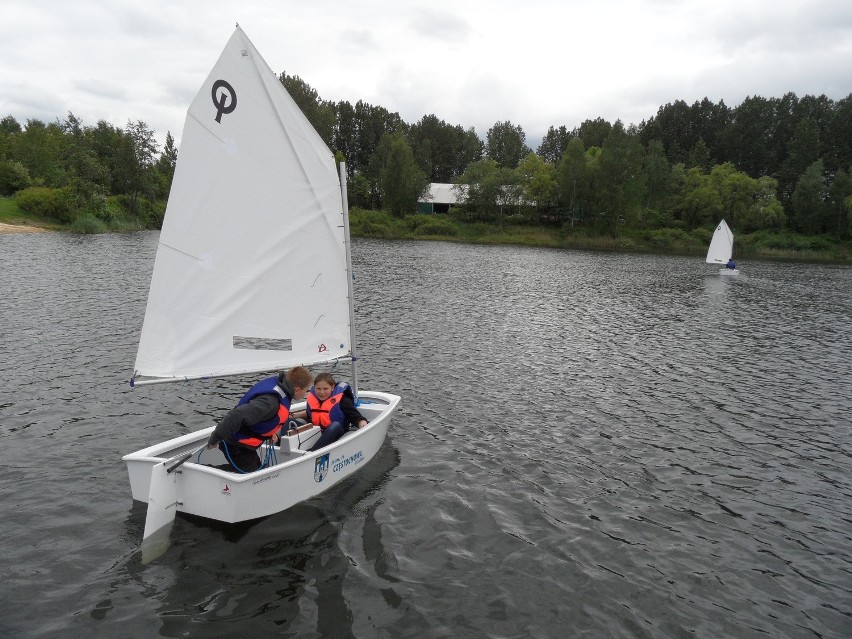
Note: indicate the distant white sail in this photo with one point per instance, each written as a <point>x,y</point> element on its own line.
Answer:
<point>250,273</point>
<point>721,246</point>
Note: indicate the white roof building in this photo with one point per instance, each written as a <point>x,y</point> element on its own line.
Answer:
<point>440,197</point>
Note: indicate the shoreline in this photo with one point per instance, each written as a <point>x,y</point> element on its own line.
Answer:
<point>21,228</point>
<point>618,246</point>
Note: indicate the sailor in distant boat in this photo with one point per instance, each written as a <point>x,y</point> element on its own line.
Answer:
<point>731,264</point>
<point>257,417</point>
<point>331,406</point>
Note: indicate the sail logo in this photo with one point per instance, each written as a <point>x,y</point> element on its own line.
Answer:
<point>226,490</point>
<point>322,348</point>
<point>224,101</point>
<point>321,468</point>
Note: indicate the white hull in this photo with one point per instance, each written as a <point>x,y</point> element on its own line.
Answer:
<point>298,475</point>
<point>729,271</point>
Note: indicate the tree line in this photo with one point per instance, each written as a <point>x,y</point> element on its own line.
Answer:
<point>71,173</point>
<point>769,163</point>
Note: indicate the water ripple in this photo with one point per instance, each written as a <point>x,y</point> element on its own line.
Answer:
<point>588,445</point>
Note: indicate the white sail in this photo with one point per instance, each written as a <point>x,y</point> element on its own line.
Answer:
<point>250,273</point>
<point>721,246</point>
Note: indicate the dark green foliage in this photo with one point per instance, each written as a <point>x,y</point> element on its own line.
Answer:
<point>810,212</point>
<point>432,225</point>
<point>377,224</point>
<point>401,182</point>
<point>688,165</point>
<point>47,203</point>
<point>554,143</point>
<point>319,112</point>
<point>13,177</point>
<point>506,144</point>
<point>442,151</point>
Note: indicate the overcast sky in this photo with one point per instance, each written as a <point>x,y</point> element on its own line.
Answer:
<point>535,63</point>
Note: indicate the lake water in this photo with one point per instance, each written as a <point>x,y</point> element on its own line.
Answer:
<point>588,445</point>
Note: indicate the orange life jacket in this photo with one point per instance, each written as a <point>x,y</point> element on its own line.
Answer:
<point>324,413</point>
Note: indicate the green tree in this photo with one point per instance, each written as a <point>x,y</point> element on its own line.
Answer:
<point>165,167</point>
<point>572,178</point>
<point>553,144</point>
<point>658,175</point>
<point>143,148</point>
<point>344,138</point>
<point>838,136</point>
<point>699,156</point>
<point>593,132</point>
<point>10,131</point>
<point>765,211</point>
<point>360,191</point>
<point>488,189</point>
<point>506,144</point>
<point>537,182</point>
<point>10,126</point>
<point>736,192</point>
<point>622,183</point>
<point>838,193</point>
<point>748,140</point>
<point>371,124</point>
<point>808,201</point>
<point>39,148</point>
<point>114,151</point>
<point>13,177</point>
<point>443,151</point>
<point>699,203</point>
<point>87,175</point>
<point>320,114</point>
<point>848,204</point>
<point>802,151</point>
<point>658,172</point>
<point>401,182</point>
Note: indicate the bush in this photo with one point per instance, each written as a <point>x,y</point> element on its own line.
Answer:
<point>364,223</point>
<point>88,224</point>
<point>151,214</point>
<point>13,177</point>
<point>41,201</point>
<point>440,227</point>
<point>671,239</point>
<point>654,219</point>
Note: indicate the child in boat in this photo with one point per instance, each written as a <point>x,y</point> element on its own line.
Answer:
<point>257,417</point>
<point>331,406</point>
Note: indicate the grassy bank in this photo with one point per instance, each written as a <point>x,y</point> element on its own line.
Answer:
<point>775,245</point>
<point>11,214</point>
<point>778,245</point>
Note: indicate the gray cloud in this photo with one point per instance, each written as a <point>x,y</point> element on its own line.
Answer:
<point>440,25</point>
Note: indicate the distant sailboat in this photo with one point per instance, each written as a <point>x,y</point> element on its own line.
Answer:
<point>253,274</point>
<point>722,248</point>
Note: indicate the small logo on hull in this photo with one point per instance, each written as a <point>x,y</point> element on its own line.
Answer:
<point>321,468</point>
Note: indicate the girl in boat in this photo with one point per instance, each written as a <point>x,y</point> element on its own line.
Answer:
<point>331,406</point>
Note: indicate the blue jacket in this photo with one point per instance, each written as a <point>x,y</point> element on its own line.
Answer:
<point>254,434</point>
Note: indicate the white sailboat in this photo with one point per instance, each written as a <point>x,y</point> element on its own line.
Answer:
<point>722,248</point>
<point>252,274</point>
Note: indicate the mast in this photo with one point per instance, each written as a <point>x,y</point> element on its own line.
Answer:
<point>350,276</point>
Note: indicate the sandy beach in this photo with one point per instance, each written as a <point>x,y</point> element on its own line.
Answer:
<point>20,228</point>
